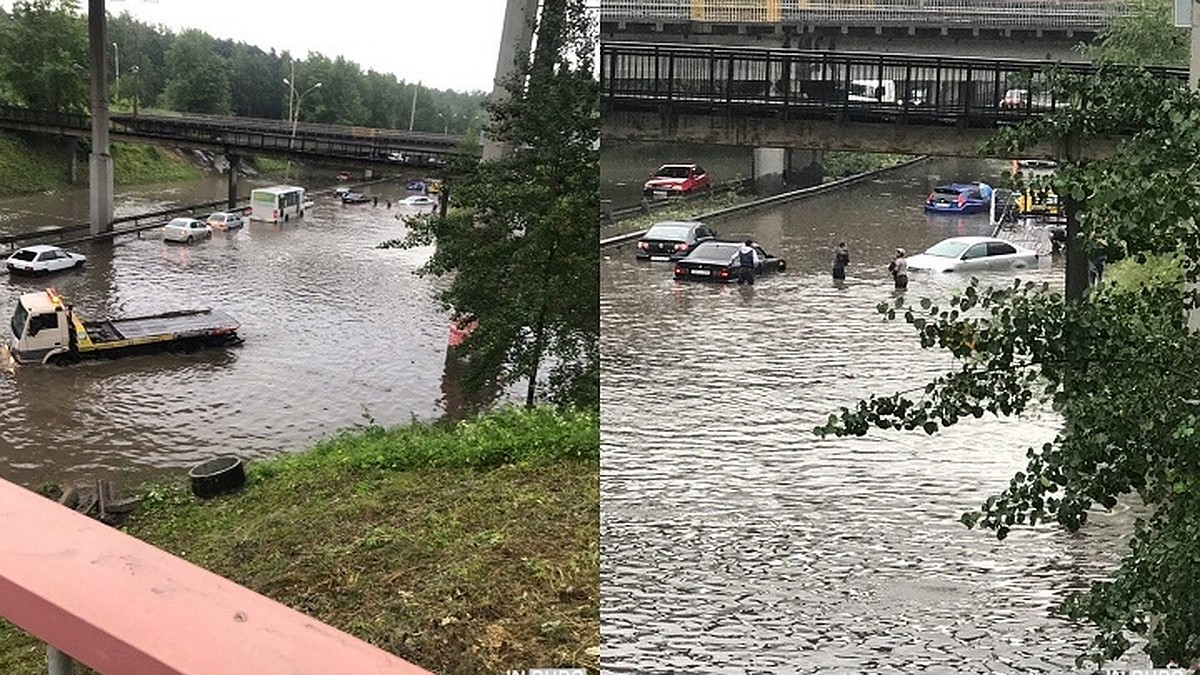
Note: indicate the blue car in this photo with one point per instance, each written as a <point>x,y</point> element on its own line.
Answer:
<point>959,198</point>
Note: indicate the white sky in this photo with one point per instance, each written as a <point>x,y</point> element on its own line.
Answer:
<point>444,44</point>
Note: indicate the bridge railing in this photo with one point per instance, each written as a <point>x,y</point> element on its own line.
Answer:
<point>120,605</point>
<point>828,84</point>
<point>1080,14</point>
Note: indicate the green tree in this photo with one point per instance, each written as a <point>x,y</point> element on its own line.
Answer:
<point>1145,36</point>
<point>45,55</point>
<point>199,80</point>
<point>1119,364</point>
<point>520,246</point>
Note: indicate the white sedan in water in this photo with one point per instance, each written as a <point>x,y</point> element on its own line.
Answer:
<point>973,254</point>
<point>42,259</point>
<point>418,202</point>
<point>186,230</point>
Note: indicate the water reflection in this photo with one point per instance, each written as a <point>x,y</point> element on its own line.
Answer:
<point>733,540</point>
<point>334,328</point>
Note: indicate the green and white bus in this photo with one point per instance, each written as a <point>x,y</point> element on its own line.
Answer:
<point>276,203</point>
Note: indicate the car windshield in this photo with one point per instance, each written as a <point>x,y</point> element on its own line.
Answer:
<point>673,172</point>
<point>715,252</point>
<point>24,255</point>
<point>674,232</point>
<point>948,249</point>
<point>178,222</point>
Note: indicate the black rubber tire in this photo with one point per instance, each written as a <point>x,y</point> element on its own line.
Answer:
<point>217,476</point>
<point>189,239</point>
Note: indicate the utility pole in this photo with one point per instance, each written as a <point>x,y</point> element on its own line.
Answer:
<point>1192,20</point>
<point>100,175</point>
<point>412,115</point>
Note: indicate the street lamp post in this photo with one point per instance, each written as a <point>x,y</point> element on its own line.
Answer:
<point>445,123</point>
<point>116,72</point>
<point>294,110</point>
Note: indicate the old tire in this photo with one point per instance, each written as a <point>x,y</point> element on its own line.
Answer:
<point>219,475</point>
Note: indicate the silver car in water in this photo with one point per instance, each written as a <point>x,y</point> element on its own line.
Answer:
<point>973,254</point>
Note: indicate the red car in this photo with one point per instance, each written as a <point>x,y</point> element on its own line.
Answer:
<point>676,179</point>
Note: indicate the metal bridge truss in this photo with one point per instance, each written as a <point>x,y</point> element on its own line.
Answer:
<point>251,135</point>
<point>844,86</point>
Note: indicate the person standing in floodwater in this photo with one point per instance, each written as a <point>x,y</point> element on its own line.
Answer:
<point>899,269</point>
<point>841,258</point>
<point>747,263</point>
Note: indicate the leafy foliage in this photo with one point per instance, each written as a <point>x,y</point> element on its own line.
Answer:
<point>44,55</point>
<point>521,246</point>
<point>201,77</point>
<point>1145,36</point>
<point>1119,364</point>
<point>44,65</point>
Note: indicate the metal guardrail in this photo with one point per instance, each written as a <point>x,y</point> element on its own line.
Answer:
<point>616,215</point>
<point>736,81</point>
<point>1029,14</point>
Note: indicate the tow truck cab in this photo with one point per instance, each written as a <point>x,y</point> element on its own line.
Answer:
<point>41,326</point>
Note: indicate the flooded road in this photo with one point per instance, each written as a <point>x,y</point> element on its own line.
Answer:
<point>736,541</point>
<point>337,332</point>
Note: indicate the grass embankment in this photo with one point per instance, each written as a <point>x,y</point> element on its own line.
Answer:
<point>471,548</point>
<point>30,164</point>
<point>837,165</point>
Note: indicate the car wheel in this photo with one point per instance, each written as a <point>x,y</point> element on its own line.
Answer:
<point>189,239</point>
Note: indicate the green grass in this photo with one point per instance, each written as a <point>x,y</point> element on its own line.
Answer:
<point>30,164</point>
<point>467,548</point>
<point>134,164</point>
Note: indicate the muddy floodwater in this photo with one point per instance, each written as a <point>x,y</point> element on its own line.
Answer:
<point>736,541</point>
<point>338,333</point>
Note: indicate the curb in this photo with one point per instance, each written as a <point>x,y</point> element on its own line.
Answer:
<point>794,195</point>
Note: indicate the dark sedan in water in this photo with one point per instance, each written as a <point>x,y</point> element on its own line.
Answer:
<point>718,261</point>
<point>672,239</point>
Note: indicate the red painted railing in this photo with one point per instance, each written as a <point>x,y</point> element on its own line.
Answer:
<point>119,605</point>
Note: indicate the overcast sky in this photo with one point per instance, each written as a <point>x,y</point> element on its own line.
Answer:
<point>444,44</point>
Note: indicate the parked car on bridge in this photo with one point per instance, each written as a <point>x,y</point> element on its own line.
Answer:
<point>225,221</point>
<point>42,259</point>
<point>959,198</point>
<point>672,239</point>
<point>718,261</point>
<point>186,230</point>
<point>676,179</point>
<point>973,254</point>
<point>1023,99</point>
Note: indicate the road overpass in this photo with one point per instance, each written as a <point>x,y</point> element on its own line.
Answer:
<point>1042,29</point>
<point>820,100</point>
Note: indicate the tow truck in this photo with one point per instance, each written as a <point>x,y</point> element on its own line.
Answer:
<point>47,330</point>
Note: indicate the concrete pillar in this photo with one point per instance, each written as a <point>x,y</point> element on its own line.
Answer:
<point>805,167</point>
<point>235,167</point>
<point>515,38</point>
<point>100,171</point>
<point>769,165</point>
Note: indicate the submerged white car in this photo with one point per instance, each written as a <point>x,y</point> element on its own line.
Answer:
<point>42,259</point>
<point>973,254</point>
<point>186,230</point>
<point>418,201</point>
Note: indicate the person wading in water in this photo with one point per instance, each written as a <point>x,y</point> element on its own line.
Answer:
<point>747,263</point>
<point>841,258</point>
<point>899,269</point>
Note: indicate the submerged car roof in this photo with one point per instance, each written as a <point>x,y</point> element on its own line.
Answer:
<point>39,248</point>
